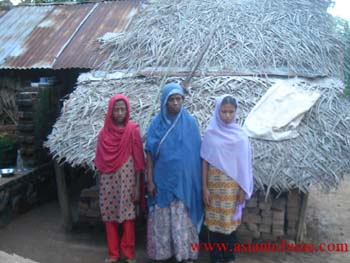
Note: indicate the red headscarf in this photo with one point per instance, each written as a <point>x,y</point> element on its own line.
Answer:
<point>115,145</point>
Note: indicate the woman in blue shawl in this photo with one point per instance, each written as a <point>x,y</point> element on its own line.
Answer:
<point>173,180</point>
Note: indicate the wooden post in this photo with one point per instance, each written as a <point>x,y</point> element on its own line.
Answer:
<point>300,227</point>
<point>63,197</point>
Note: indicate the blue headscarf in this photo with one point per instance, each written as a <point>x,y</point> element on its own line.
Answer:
<point>174,142</point>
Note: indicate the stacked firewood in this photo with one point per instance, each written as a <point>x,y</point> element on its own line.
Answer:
<point>26,102</point>
<point>37,110</point>
<point>269,217</point>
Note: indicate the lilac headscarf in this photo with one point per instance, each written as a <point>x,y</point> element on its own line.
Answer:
<point>227,148</point>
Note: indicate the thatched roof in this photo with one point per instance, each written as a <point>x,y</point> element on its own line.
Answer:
<point>280,37</point>
<point>271,37</point>
<point>318,156</point>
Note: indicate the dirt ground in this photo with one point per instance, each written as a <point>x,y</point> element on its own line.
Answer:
<point>39,236</point>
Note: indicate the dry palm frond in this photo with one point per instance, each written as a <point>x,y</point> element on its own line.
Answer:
<point>279,37</point>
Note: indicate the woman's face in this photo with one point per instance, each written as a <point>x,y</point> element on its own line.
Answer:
<point>227,112</point>
<point>119,112</point>
<point>174,104</point>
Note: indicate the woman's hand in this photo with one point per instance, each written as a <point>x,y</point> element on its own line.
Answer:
<point>206,196</point>
<point>136,196</point>
<point>240,196</point>
<point>151,189</point>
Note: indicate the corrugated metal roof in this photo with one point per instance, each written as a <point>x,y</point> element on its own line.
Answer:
<point>15,27</point>
<point>84,50</point>
<point>63,36</point>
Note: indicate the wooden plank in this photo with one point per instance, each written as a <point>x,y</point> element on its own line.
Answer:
<point>63,197</point>
<point>300,227</point>
<point>177,72</point>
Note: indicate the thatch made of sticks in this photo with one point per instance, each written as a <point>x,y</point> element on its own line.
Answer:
<point>281,37</point>
<point>319,156</point>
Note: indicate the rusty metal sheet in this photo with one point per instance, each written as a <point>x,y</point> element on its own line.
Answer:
<point>84,51</point>
<point>60,36</point>
<point>15,27</point>
<point>46,40</point>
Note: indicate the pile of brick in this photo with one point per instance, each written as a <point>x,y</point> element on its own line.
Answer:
<point>271,217</point>
<point>293,211</point>
<point>89,210</point>
<point>264,218</point>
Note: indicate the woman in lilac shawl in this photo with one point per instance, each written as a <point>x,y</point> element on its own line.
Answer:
<point>226,176</point>
<point>173,180</point>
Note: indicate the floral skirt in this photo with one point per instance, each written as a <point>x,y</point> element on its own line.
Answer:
<point>170,232</point>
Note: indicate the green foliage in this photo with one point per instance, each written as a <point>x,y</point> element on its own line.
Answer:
<point>5,140</point>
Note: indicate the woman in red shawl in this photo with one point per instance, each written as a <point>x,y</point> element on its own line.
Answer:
<point>119,160</point>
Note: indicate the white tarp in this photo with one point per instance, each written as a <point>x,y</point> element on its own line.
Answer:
<point>278,113</point>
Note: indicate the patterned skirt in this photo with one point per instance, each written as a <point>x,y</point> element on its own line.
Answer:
<point>223,195</point>
<point>116,194</point>
<point>170,232</point>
